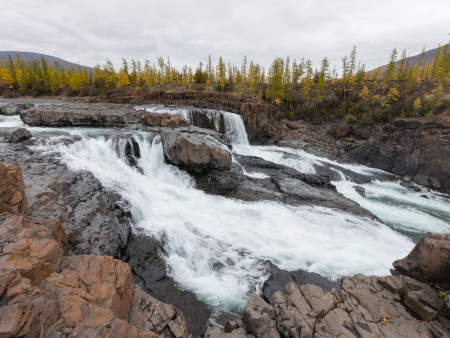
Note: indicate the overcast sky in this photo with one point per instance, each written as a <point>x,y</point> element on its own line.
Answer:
<point>88,32</point>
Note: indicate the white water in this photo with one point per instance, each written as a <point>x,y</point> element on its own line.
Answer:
<point>218,247</point>
<point>395,205</point>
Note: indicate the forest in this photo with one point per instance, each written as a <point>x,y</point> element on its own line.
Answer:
<point>300,90</point>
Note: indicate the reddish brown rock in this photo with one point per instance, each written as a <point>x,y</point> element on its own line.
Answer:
<point>148,313</point>
<point>12,190</point>
<point>164,120</point>
<point>429,261</point>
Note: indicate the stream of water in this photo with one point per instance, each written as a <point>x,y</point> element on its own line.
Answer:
<point>218,247</point>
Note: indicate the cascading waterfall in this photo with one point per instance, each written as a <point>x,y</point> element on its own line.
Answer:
<point>401,208</point>
<point>219,247</point>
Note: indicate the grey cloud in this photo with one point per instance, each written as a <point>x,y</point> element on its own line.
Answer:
<point>187,31</point>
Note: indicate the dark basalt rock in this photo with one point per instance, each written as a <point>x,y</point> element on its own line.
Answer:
<point>289,186</point>
<point>360,190</point>
<point>143,254</point>
<point>278,280</point>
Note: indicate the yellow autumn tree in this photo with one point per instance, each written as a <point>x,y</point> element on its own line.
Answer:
<point>364,93</point>
<point>392,95</point>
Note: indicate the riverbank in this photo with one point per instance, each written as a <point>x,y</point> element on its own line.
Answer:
<point>257,180</point>
<point>415,147</point>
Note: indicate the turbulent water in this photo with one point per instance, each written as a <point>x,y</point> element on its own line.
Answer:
<point>220,248</point>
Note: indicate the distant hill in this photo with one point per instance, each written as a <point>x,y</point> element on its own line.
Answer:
<point>26,56</point>
<point>413,60</point>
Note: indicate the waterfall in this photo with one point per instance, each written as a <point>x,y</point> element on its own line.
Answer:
<point>233,123</point>
<point>235,129</point>
<point>219,247</point>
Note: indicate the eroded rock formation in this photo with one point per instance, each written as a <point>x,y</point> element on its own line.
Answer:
<point>392,306</point>
<point>44,293</point>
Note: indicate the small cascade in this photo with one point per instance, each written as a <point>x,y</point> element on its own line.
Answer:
<point>221,121</point>
<point>126,148</point>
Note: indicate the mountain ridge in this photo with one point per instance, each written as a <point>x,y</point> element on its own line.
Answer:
<point>27,56</point>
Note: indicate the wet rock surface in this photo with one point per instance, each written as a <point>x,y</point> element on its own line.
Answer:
<point>195,153</point>
<point>262,120</point>
<point>287,185</point>
<point>14,135</point>
<point>45,293</point>
<point>97,221</point>
<point>392,306</point>
<point>418,148</point>
<point>97,115</point>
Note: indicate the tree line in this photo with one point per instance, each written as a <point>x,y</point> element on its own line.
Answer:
<point>297,87</point>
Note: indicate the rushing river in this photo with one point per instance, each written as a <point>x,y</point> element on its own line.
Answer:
<point>218,247</point>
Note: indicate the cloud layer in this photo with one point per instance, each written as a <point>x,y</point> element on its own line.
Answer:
<point>188,31</point>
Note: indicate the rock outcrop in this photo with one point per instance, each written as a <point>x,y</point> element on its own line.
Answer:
<point>418,148</point>
<point>44,293</point>
<point>276,182</point>
<point>195,153</point>
<point>97,115</point>
<point>14,135</point>
<point>14,108</point>
<point>392,306</point>
<point>206,156</point>
<point>12,189</point>
<point>260,118</point>
<point>429,261</point>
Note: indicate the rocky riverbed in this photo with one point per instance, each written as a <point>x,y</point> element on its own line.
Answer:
<point>99,221</point>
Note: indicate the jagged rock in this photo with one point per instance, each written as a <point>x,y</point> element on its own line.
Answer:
<point>12,190</point>
<point>118,328</point>
<point>425,303</point>
<point>429,261</point>
<point>143,255</point>
<point>14,135</point>
<point>220,181</point>
<point>151,314</point>
<point>278,280</point>
<point>260,318</point>
<point>195,153</point>
<point>391,306</point>
<point>412,147</point>
<point>14,108</point>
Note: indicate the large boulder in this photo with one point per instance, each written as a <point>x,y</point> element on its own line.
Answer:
<point>195,152</point>
<point>12,189</point>
<point>429,261</point>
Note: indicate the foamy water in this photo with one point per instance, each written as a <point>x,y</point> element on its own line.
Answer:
<point>219,247</point>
